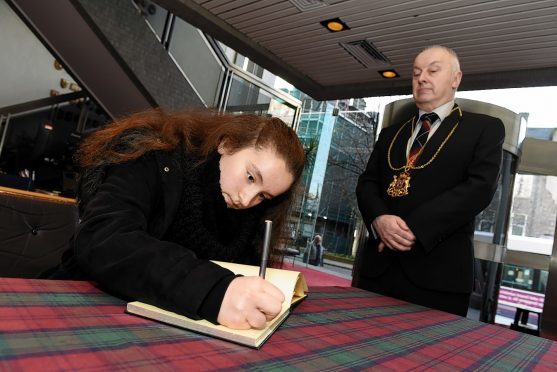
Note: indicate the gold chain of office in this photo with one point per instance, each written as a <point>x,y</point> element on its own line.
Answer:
<point>401,183</point>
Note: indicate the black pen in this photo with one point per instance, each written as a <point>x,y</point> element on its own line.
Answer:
<point>266,244</point>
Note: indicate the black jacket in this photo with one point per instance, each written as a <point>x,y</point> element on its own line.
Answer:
<point>119,241</point>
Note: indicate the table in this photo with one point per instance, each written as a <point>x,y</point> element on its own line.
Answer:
<point>71,325</point>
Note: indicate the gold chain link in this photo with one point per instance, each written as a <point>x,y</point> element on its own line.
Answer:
<point>408,166</point>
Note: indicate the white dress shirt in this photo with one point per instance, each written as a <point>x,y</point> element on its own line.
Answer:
<point>442,111</point>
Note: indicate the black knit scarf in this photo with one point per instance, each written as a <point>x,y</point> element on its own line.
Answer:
<point>204,224</point>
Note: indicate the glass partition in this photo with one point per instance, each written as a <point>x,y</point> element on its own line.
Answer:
<point>531,231</point>
<point>246,96</point>
<point>38,142</point>
<point>338,137</point>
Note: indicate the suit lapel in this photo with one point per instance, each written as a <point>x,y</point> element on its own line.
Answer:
<point>400,146</point>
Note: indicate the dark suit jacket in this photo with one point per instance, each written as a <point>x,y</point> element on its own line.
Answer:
<point>444,197</point>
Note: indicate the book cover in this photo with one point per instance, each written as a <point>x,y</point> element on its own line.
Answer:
<point>291,283</point>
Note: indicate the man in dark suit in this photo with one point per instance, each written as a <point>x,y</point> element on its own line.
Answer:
<point>418,197</point>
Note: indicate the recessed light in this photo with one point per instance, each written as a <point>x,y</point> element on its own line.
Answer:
<point>334,25</point>
<point>388,74</point>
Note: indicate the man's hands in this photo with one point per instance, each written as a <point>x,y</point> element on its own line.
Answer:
<point>249,302</point>
<point>394,233</point>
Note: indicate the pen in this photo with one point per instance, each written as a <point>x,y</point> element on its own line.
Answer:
<point>265,253</point>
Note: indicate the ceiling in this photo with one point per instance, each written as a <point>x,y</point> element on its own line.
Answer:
<point>501,43</point>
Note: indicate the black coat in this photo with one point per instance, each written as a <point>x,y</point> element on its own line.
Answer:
<point>444,197</point>
<point>119,241</point>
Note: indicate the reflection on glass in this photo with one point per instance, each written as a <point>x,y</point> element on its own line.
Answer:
<point>338,137</point>
<point>491,224</point>
<point>533,215</point>
<point>525,278</point>
<point>485,221</point>
<point>278,109</point>
<point>154,15</point>
<point>531,229</point>
<point>247,97</point>
<point>245,64</point>
<point>521,287</point>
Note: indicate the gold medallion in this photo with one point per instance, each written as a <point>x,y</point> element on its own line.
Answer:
<point>400,185</point>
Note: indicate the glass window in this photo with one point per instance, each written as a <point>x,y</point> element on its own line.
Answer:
<point>245,96</point>
<point>517,230</point>
<point>155,15</point>
<point>533,217</point>
<point>524,278</point>
<point>39,129</point>
<point>523,185</point>
<point>338,137</point>
<point>518,224</point>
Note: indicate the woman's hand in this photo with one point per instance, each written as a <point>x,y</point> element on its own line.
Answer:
<point>249,302</point>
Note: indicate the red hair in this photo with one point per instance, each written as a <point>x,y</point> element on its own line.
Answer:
<point>200,133</point>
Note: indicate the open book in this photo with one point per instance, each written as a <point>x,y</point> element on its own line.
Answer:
<point>291,283</point>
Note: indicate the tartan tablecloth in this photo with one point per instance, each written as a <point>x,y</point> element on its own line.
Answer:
<point>71,325</point>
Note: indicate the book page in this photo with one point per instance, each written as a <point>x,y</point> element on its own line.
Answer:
<point>249,337</point>
<point>291,283</point>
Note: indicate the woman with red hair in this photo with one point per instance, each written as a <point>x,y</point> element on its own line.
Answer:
<point>161,194</point>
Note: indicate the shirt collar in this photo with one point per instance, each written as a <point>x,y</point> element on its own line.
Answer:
<point>442,111</point>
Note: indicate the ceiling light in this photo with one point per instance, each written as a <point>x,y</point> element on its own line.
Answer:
<point>388,74</point>
<point>335,25</point>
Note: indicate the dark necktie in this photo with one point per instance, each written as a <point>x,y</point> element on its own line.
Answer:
<point>420,140</point>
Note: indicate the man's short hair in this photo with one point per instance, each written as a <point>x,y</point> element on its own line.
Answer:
<point>456,61</point>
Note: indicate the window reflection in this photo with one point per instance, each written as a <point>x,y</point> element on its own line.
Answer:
<point>524,278</point>
<point>338,137</point>
<point>534,212</point>
<point>246,97</point>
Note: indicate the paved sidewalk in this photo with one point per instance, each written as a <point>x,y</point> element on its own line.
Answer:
<point>338,264</point>
<point>328,268</point>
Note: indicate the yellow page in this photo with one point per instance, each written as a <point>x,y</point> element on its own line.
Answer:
<point>291,283</point>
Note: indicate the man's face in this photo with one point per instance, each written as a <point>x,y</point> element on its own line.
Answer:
<point>435,78</point>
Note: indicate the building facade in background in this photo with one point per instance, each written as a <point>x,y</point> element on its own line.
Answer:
<point>338,137</point>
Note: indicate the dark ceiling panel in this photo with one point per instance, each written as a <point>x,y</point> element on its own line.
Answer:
<point>501,44</point>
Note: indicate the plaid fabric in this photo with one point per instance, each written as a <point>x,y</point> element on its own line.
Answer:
<point>65,325</point>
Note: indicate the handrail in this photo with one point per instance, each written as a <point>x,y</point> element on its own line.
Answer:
<point>35,195</point>
<point>42,102</point>
<point>5,122</point>
<point>501,254</point>
<point>9,112</point>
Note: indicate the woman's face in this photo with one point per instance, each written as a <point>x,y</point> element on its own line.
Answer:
<point>250,175</point>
